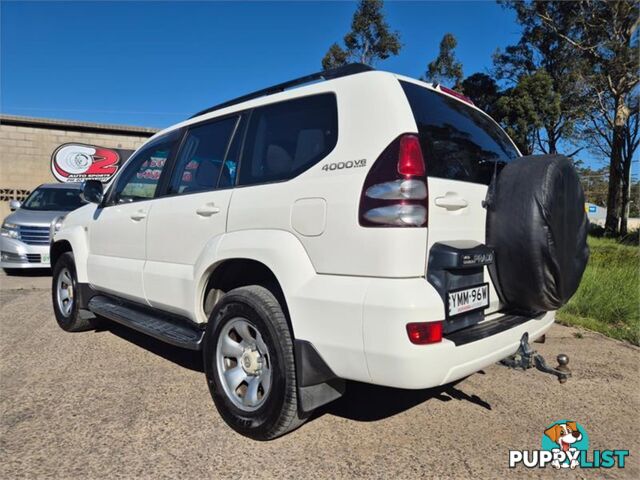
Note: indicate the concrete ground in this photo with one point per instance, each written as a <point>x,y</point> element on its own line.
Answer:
<point>114,404</point>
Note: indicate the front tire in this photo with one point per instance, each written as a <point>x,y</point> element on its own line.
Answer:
<point>64,292</point>
<point>249,364</point>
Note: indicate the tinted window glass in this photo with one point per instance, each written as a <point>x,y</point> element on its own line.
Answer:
<point>458,142</point>
<point>140,178</point>
<point>200,162</point>
<point>285,139</point>
<point>65,199</point>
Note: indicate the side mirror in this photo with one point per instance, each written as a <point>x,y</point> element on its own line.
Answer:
<point>92,191</point>
<point>14,205</point>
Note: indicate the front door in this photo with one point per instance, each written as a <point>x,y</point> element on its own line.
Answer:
<point>117,233</point>
<point>192,215</point>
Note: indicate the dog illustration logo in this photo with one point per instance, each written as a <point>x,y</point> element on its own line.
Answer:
<point>565,444</point>
<point>567,437</point>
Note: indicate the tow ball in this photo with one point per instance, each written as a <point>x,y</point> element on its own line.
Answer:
<point>526,358</point>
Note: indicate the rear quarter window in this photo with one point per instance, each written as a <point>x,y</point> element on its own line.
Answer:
<point>458,142</point>
<point>285,139</point>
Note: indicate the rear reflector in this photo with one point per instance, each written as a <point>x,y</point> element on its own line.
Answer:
<point>423,333</point>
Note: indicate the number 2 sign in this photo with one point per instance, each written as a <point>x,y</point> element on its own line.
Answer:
<point>73,162</point>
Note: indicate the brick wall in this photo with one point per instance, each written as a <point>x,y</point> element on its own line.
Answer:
<point>25,152</point>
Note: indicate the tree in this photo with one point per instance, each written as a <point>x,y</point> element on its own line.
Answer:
<point>483,90</point>
<point>629,147</point>
<point>529,107</point>
<point>603,37</point>
<point>335,57</point>
<point>446,66</point>
<point>594,183</point>
<point>369,40</point>
<point>597,134</point>
<point>538,51</point>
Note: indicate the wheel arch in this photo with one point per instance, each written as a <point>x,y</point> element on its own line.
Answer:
<point>57,249</point>
<point>272,258</point>
<point>72,239</point>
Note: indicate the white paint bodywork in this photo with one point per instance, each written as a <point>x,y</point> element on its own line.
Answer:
<point>350,290</point>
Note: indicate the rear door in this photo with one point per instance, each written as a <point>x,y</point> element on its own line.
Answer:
<point>461,146</point>
<point>191,213</point>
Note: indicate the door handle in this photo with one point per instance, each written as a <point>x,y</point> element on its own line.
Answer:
<point>207,210</point>
<point>139,215</point>
<point>451,201</point>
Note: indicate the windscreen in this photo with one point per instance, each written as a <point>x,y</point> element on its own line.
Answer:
<point>52,199</point>
<point>458,142</point>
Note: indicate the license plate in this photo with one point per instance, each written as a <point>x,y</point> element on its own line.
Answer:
<point>468,299</point>
<point>44,258</point>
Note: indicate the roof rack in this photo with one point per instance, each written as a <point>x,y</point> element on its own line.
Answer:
<point>349,69</point>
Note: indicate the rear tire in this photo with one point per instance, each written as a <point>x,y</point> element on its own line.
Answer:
<point>250,366</point>
<point>64,291</point>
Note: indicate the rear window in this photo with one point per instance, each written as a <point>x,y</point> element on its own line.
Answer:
<point>458,142</point>
<point>285,139</point>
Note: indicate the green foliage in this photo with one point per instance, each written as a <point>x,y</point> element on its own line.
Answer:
<point>483,90</point>
<point>535,51</point>
<point>335,57</point>
<point>445,68</point>
<point>526,108</point>
<point>369,40</point>
<point>602,39</point>
<point>608,299</point>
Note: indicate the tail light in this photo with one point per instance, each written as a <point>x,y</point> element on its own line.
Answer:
<point>424,333</point>
<point>395,190</point>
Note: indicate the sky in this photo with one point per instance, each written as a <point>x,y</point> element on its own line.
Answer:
<point>156,63</point>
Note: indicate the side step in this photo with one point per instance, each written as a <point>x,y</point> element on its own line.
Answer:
<point>164,327</point>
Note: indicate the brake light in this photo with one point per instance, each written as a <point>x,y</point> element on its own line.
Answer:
<point>395,191</point>
<point>410,161</point>
<point>458,95</point>
<point>424,333</point>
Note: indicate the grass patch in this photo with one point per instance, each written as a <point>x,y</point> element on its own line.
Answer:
<point>608,299</point>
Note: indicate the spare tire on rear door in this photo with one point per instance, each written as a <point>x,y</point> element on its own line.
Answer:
<point>537,225</point>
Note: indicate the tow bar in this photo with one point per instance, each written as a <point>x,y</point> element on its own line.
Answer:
<point>526,358</point>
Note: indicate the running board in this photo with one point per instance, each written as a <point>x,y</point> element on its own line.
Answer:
<point>164,327</point>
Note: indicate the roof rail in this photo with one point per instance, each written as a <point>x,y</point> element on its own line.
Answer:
<point>349,69</point>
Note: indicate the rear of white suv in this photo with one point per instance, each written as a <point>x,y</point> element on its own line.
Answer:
<point>304,237</point>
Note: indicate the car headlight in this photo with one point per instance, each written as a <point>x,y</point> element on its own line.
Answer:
<point>9,230</point>
<point>56,225</point>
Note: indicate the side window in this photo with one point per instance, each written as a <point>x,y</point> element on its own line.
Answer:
<point>287,138</point>
<point>140,178</point>
<point>200,165</point>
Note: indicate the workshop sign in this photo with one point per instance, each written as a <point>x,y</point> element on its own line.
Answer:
<point>76,162</point>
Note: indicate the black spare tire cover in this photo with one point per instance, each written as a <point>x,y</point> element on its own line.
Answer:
<point>537,225</point>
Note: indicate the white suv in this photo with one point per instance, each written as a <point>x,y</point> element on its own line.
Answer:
<point>301,237</point>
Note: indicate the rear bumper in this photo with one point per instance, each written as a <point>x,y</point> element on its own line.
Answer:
<point>392,360</point>
<point>17,254</point>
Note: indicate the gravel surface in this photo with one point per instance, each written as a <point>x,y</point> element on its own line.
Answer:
<point>115,404</point>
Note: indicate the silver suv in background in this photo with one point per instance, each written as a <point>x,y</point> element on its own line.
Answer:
<point>26,233</point>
